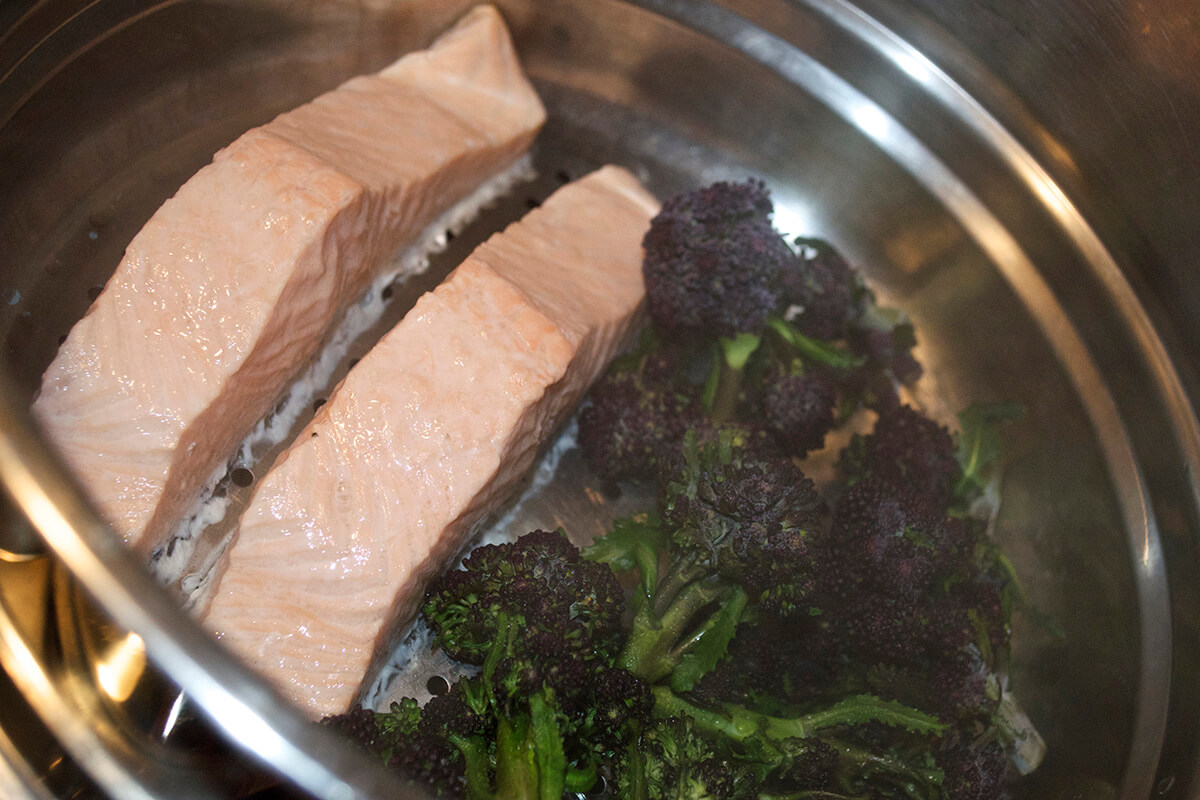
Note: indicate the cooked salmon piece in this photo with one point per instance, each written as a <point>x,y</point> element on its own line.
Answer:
<point>430,432</point>
<point>233,285</point>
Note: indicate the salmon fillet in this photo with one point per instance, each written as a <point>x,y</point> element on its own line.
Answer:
<point>232,286</point>
<point>431,431</point>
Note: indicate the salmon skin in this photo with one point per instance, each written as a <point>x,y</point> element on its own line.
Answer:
<point>232,286</point>
<point>426,435</point>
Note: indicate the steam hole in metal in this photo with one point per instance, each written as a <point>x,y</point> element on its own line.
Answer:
<point>437,686</point>
<point>242,476</point>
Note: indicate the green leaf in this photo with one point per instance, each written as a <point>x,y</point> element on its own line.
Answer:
<point>548,752</point>
<point>633,544</point>
<point>979,444</point>
<point>708,646</point>
<point>477,765</point>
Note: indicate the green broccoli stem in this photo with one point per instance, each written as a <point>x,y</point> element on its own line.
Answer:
<point>682,573</point>
<point>735,352</point>
<point>516,765</point>
<point>477,765</point>
<point>740,724</point>
<point>530,762</point>
<point>635,785</point>
<point>582,777</point>
<point>855,762</point>
<point>657,643</point>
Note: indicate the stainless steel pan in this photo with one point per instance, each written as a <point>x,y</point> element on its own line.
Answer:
<point>921,141</point>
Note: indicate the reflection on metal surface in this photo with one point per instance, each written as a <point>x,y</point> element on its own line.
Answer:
<point>67,700</point>
<point>18,779</point>
<point>119,671</point>
<point>670,99</point>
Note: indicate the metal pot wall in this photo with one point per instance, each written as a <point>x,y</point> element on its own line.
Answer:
<point>1021,180</point>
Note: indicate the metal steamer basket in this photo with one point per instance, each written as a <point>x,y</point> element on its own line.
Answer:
<point>1021,180</point>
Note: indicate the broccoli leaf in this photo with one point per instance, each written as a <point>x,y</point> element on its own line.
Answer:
<point>547,749</point>
<point>633,544</point>
<point>979,444</point>
<point>708,645</point>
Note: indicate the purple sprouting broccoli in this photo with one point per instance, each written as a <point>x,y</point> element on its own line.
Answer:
<point>799,406</point>
<point>714,261</point>
<point>912,593</point>
<point>886,541</point>
<point>771,664</point>
<point>674,761</point>
<point>827,293</point>
<point>909,451</point>
<point>538,584</point>
<point>637,411</point>
<point>398,738</point>
<point>754,519</point>
<point>431,761</point>
<point>542,623</point>
<point>737,526</point>
<point>712,269</point>
<point>973,770</point>
<point>885,339</point>
<point>359,726</point>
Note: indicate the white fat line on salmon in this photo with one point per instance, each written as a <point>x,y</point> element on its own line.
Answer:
<point>172,562</point>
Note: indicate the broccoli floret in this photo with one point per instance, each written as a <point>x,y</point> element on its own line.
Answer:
<point>974,770</point>
<point>739,525</point>
<point>677,762</point>
<point>542,623</point>
<point>407,746</point>
<point>712,270</point>
<point>538,583</point>
<point>827,292</point>
<point>909,451</point>
<point>885,541</point>
<point>359,726</point>
<point>622,703</point>
<point>908,594</point>
<point>431,761</point>
<point>378,732</point>
<point>713,261</point>
<point>452,714</point>
<point>800,407</point>
<point>772,666</point>
<point>885,339</point>
<point>754,519</point>
<point>636,412</point>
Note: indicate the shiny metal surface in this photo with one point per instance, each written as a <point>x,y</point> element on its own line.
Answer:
<point>933,149</point>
